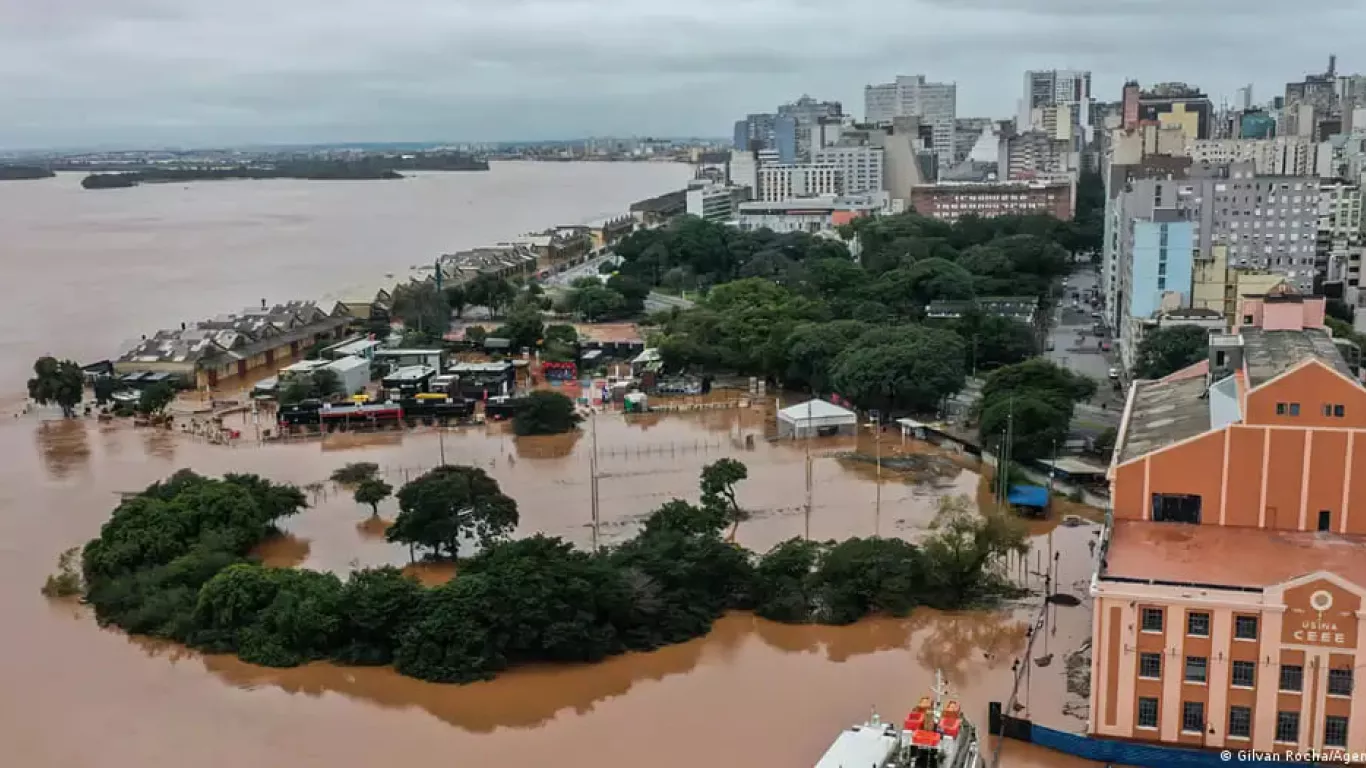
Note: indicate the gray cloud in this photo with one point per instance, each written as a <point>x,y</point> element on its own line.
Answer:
<point>83,72</point>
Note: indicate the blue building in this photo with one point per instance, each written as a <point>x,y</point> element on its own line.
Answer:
<point>785,138</point>
<point>1163,261</point>
<point>741,140</point>
<point>1257,125</point>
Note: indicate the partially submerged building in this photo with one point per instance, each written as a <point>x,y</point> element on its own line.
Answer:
<point>234,347</point>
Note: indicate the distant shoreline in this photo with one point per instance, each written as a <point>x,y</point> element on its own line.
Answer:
<point>24,172</point>
<point>367,168</point>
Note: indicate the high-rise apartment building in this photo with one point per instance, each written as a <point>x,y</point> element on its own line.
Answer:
<point>1281,156</point>
<point>1057,87</point>
<point>1310,100</point>
<point>788,181</point>
<point>936,104</point>
<point>861,167</point>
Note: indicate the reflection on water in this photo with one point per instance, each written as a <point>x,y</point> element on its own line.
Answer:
<point>795,685</point>
<point>64,446</point>
<point>283,550</point>
<point>532,696</point>
<point>547,446</point>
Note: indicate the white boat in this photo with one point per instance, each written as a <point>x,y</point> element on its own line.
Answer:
<point>934,735</point>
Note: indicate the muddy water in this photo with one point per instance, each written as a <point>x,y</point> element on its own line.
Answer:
<point>121,263</point>
<point>752,693</point>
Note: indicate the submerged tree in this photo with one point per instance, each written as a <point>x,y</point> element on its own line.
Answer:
<point>718,491</point>
<point>372,491</point>
<point>451,503</point>
<point>544,412</point>
<point>57,382</point>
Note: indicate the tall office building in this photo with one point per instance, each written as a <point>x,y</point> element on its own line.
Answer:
<point>1047,87</point>
<point>861,167</point>
<point>807,115</point>
<point>786,182</point>
<point>936,104</point>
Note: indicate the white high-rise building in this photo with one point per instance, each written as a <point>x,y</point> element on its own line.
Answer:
<point>936,104</point>
<point>787,182</point>
<point>860,166</point>
<point>1070,87</point>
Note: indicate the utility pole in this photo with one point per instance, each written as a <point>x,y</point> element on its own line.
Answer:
<point>593,475</point>
<point>441,442</point>
<point>807,440</point>
<point>877,499</point>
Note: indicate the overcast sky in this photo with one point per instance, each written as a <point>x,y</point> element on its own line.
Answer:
<point>202,72</point>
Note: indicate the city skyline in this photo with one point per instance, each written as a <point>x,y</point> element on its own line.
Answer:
<point>156,72</point>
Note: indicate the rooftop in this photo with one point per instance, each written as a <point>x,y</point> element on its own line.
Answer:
<point>1164,412</point>
<point>1226,556</point>
<point>814,409</point>
<point>1268,354</point>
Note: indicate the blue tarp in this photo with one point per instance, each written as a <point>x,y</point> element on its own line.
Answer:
<point>1028,496</point>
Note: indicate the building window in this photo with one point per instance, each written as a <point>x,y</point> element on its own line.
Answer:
<point>1288,727</point>
<point>1340,682</point>
<point>1240,722</point>
<point>1280,408</point>
<point>1176,508</point>
<point>1292,678</point>
<point>1339,411</point>
<point>1197,624</point>
<point>1197,669</point>
<point>1192,716</point>
<point>1335,731</point>
<point>1294,409</point>
<point>1244,674</point>
<point>1325,520</point>
<point>1147,712</point>
<point>1150,665</point>
<point>1152,619</point>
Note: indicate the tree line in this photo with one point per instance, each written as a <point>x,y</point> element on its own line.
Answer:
<point>800,310</point>
<point>173,562</point>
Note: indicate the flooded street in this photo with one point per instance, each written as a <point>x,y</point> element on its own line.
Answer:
<point>751,693</point>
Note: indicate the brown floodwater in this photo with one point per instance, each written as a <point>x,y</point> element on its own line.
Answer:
<point>751,693</point>
<point>100,268</point>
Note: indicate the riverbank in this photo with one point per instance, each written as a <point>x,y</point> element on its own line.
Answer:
<point>162,254</point>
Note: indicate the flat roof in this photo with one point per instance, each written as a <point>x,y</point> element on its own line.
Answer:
<point>402,352</point>
<point>816,409</point>
<point>1268,354</point>
<point>859,746</point>
<point>1227,556</point>
<point>1164,412</point>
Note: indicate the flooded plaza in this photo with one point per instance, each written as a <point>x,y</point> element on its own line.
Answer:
<point>752,692</point>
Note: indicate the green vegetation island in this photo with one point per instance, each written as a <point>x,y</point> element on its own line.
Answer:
<point>174,562</point>
<point>24,172</point>
<point>367,168</point>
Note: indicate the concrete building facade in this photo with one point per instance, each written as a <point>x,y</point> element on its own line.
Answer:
<point>785,182</point>
<point>936,104</point>
<point>861,167</point>
<point>1279,156</point>
<point>949,200</point>
<point>812,215</point>
<point>715,202</point>
<point>1229,586</point>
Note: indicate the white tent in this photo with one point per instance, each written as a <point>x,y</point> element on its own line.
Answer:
<point>816,417</point>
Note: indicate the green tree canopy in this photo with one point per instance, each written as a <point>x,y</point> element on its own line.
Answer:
<point>372,491</point>
<point>449,504</point>
<point>1036,399</point>
<point>523,327</point>
<point>489,291</point>
<point>545,412</point>
<point>812,349</point>
<point>58,383</point>
<point>156,398</point>
<point>908,368</point>
<point>422,308</point>
<point>1168,349</point>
